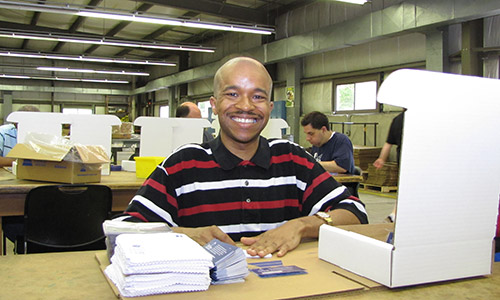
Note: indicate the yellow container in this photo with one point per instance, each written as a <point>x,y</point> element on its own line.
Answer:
<point>145,165</point>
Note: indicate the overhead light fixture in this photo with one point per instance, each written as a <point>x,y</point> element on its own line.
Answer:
<point>86,58</point>
<point>63,79</point>
<point>14,76</point>
<point>103,41</point>
<point>360,2</point>
<point>59,69</point>
<point>123,15</point>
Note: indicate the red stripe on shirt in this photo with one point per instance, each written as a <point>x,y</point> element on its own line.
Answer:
<point>136,215</point>
<point>162,189</point>
<point>238,205</point>
<point>317,181</point>
<point>191,164</point>
<point>295,158</point>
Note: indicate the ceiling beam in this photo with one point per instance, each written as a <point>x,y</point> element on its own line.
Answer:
<point>216,8</point>
<point>76,24</point>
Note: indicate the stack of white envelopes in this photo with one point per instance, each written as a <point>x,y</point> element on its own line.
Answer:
<point>158,263</point>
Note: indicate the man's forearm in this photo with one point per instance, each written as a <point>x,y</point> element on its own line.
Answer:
<point>331,166</point>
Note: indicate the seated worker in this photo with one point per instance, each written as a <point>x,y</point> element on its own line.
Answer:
<point>8,138</point>
<point>191,110</point>
<point>333,150</point>
<point>241,186</point>
<point>13,227</point>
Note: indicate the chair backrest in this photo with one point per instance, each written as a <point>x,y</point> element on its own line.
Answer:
<point>66,217</point>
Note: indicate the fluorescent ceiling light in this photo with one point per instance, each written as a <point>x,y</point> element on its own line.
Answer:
<point>14,76</point>
<point>360,2</point>
<point>123,15</point>
<point>86,58</point>
<point>63,79</point>
<point>57,69</point>
<point>102,41</point>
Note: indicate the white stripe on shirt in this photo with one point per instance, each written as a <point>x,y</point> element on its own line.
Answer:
<point>152,207</point>
<point>235,183</point>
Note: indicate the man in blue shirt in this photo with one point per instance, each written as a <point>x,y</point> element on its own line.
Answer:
<point>8,138</point>
<point>333,150</point>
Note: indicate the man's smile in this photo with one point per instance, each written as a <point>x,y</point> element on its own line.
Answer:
<point>244,120</point>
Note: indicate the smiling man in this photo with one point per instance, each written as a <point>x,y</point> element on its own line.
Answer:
<point>268,194</point>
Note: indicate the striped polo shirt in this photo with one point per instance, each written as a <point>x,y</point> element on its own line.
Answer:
<point>204,185</point>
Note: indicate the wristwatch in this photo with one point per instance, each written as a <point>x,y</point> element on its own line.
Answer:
<point>325,217</point>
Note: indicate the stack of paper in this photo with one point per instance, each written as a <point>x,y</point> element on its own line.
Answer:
<point>113,228</point>
<point>157,263</point>
<point>230,262</point>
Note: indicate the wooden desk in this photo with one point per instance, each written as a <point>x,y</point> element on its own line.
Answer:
<point>13,192</point>
<point>346,178</point>
<point>76,275</point>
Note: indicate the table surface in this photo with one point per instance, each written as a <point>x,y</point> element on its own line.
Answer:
<point>116,181</point>
<point>73,275</point>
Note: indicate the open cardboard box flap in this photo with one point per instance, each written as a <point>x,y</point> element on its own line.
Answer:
<point>78,153</point>
<point>449,185</point>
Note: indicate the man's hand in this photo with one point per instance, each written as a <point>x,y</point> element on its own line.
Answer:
<point>282,239</point>
<point>379,163</point>
<point>203,235</point>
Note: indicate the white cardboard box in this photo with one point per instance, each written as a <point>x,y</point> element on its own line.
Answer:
<point>449,185</point>
<point>161,136</point>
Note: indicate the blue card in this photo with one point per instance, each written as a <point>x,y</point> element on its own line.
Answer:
<point>278,271</point>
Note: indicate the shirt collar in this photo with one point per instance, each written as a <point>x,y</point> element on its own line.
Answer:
<point>228,160</point>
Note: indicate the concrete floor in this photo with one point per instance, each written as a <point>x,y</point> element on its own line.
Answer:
<point>378,206</point>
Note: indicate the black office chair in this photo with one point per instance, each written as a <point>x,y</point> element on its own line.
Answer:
<point>59,218</point>
<point>353,187</point>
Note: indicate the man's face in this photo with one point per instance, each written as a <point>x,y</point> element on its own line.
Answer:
<point>242,102</point>
<point>315,136</point>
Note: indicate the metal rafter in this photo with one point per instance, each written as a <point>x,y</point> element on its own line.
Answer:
<point>216,8</point>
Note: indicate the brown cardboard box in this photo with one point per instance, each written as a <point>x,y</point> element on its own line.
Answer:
<point>59,163</point>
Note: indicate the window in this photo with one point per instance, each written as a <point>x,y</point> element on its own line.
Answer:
<point>164,111</point>
<point>205,109</point>
<point>77,111</point>
<point>356,94</point>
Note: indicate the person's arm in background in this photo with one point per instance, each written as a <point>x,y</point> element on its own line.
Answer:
<point>384,155</point>
<point>332,167</point>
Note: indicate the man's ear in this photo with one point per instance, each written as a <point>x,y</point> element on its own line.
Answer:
<point>213,103</point>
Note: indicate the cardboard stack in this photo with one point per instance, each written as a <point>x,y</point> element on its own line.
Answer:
<point>385,176</point>
<point>364,156</point>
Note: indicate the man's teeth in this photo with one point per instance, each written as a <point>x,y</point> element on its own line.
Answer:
<point>243,120</point>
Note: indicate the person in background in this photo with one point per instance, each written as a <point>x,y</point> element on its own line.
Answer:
<point>191,110</point>
<point>394,137</point>
<point>333,150</point>
<point>8,138</point>
<point>268,194</point>
<point>13,227</point>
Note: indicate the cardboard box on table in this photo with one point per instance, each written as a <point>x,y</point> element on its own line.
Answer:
<point>449,185</point>
<point>85,129</point>
<point>59,163</point>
